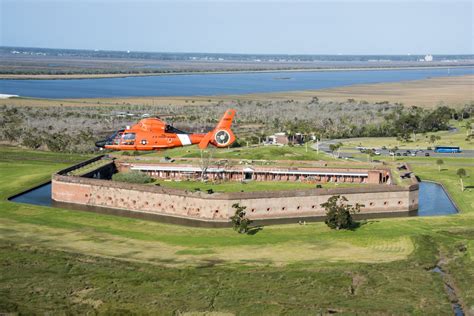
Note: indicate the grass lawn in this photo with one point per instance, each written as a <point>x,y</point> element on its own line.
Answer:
<point>448,138</point>
<point>427,169</point>
<point>282,156</point>
<point>57,261</point>
<point>244,153</point>
<point>234,186</point>
<point>89,167</point>
<point>246,186</point>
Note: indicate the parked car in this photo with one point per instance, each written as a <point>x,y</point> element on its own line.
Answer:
<point>398,154</point>
<point>427,154</point>
<point>405,154</point>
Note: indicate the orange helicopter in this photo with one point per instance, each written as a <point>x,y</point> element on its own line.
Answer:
<point>154,134</point>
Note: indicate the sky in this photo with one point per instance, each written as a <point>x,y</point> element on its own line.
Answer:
<point>244,26</point>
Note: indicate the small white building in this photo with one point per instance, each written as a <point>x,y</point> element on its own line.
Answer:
<point>277,139</point>
<point>283,139</point>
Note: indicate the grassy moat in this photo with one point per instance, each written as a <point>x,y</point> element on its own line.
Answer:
<point>246,186</point>
<point>61,261</point>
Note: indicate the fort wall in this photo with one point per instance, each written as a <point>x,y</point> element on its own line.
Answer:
<point>378,199</point>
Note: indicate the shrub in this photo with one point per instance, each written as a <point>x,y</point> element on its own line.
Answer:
<point>132,177</point>
<point>32,140</point>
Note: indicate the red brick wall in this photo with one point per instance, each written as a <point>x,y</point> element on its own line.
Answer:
<point>218,206</point>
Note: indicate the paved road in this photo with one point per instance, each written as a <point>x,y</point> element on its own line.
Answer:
<point>324,146</point>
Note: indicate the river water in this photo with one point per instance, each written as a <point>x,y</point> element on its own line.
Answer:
<point>433,200</point>
<point>215,84</point>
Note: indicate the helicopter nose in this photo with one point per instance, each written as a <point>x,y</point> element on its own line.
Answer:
<point>100,143</point>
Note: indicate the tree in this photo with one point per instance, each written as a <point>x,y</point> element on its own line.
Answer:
<point>393,150</point>
<point>339,213</point>
<point>399,139</point>
<point>439,162</point>
<point>205,161</point>
<point>461,174</point>
<point>370,153</point>
<point>335,147</point>
<point>314,100</point>
<point>434,138</point>
<point>403,137</point>
<point>468,127</point>
<point>239,220</point>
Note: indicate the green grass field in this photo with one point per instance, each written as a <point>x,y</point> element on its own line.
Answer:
<point>448,138</point>
<point>283,156</point>
<point>60,261</point>
<point>233,186</point>
<point>245,186</point>
<point>244,153</point>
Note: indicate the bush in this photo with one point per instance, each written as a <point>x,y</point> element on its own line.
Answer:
<point>58,142</point>
<point>32,140</point>
<point>132,177</point>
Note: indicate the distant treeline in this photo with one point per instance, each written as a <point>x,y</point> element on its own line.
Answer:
<point>401,122</point>
<point>217,56</point>
<point>44,61</point>
<point>137,71</point>
<point>145,71</point>
<point>75,129</point>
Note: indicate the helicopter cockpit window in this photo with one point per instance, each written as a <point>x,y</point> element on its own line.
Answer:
<point>128,138</point>
<point>117,138</point>
<point>114,139</point>
<point>172,129</point>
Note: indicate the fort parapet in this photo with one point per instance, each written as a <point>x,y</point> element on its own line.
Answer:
<point>380,200</point>
<point>258,173</point>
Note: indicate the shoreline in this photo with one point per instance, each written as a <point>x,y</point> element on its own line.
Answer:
<point>177,73</point>
<point>452,90</point>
